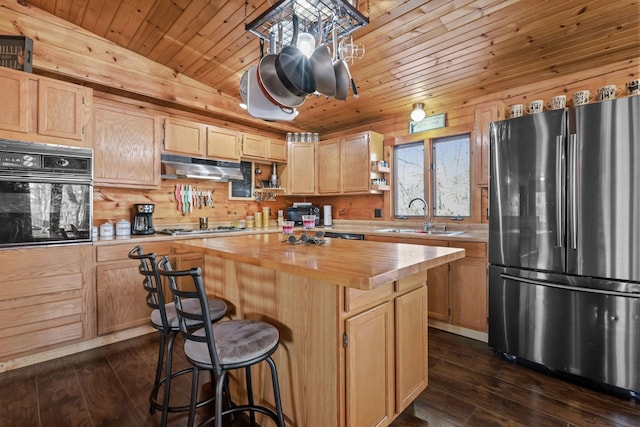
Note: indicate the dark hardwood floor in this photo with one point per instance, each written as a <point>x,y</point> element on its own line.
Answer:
<point>468,386</point>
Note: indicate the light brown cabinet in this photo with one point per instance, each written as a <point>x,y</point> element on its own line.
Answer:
<point>257,147</point>
<point>329,161</point>
<point>126,146</point>
<point>484,115</point>
<point>385,350</point>
<point>196,139</point>
<point>121,299</point>
<point>184,137</point>
<point>469,287</point>
<point>41,109</point>
<point>46,298</point>
<point>344,164</point>
<point>457,291</point>
<point>299,174</point>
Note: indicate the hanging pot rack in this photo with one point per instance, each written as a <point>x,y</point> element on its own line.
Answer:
<point>274,25</point>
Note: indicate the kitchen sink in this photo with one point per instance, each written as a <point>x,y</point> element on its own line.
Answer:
<point>416,230</point>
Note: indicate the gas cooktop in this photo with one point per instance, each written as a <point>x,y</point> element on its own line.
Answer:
<point>185,231</point>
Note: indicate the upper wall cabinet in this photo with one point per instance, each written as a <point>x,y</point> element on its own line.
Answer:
<point>126,146</point>
<point>344,164</point>
<point>41,109</point>
<point>258,147</point>
<point>196,139</point>
<point>484,115</point>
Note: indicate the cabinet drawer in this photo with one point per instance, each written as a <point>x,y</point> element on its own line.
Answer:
<point>358,298</point>
<point>411,282</point>
<point>120,252</point>
<point>472,249</point>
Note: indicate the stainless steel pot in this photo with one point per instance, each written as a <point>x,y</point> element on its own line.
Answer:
<point>271,84</point>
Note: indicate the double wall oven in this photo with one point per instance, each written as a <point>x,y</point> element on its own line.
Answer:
<point>46,194</point>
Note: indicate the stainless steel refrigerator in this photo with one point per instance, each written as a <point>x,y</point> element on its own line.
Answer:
<point>564,241</point>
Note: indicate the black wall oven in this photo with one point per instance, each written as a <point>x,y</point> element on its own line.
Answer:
<point>46,194</point>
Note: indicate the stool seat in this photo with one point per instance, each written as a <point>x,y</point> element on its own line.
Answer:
<point>237,342</point>
<point>217,310</point>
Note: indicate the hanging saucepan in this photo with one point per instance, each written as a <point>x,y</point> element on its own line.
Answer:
<point>322,66</point>
<point>341,71</point>
<point>294,68</point>
<point>271,85</point>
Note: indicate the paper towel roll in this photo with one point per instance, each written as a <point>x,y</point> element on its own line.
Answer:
<point>326,214</point>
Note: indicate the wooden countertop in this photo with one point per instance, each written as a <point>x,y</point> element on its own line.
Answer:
<point>356,264</point>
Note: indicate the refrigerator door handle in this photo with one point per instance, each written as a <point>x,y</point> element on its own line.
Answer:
<point>571,288</point>
<point>559,188</point>
<point>572,226</point>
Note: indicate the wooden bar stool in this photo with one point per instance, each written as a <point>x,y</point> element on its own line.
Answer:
<point>165,319</point>
<point>221,347</point>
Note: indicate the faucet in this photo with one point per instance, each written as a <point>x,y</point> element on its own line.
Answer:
<point>427,225</point>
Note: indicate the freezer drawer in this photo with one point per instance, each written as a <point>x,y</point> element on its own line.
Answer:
<point>590,332</point>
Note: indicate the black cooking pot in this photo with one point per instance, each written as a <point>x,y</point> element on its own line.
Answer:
<point>294,68</point>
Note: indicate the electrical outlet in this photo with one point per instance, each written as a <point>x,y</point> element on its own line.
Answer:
<point>377,213</point>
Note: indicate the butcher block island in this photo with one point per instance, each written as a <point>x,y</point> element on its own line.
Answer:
<point>352,317</point>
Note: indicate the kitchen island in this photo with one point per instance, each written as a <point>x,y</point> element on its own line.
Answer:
<point>352,317</point>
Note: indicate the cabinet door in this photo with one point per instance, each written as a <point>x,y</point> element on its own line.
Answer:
<point>15,103</point>
<point>469,293</point>
<point>369,367</point>
<point>121,299</point>
<point>223,144</point>
<point>126,147</point>
<point>411,346</point>
<point>483,117</point>
<point>329,166</point>
<point>185,262</point>
<point>184,137</point>
<point>254,146</point>
<point>60,109</point>
<point>356,164</point>
<point>301,178</point>
<point>277,150</point>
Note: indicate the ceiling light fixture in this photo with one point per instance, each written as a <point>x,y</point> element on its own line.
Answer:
<point>418,112</point>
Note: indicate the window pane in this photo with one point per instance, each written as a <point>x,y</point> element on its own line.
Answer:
<point>452,176</point>
<point>408,169</point>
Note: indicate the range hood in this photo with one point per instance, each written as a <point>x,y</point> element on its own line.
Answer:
<point>191,167</point>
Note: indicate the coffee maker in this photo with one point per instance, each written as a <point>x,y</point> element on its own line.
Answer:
<point>142,219</point>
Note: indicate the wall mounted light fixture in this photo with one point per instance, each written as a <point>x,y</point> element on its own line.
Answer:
<point>418,112</point>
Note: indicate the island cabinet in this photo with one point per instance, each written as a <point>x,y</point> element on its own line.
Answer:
<point>258,147</point>
<point>126,146</point>
<point>47,299</point>
<point>42,109</point>
<point>121,299</point>
<point>385,350</point>
<point>186,137</point>
<point>352,318</point>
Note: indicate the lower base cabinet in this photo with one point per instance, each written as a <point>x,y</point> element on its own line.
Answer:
<point>46,298</point>
<point>121,299</point>
<point>386,355</point>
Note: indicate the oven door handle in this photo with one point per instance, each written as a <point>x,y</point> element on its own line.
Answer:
<point>48,179</point>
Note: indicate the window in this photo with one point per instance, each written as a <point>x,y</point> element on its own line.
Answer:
<point>409,182</point>
<point>451,176</point>
<point>448,191</point>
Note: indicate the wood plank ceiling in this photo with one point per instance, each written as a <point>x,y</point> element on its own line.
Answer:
<point>440,52</point>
